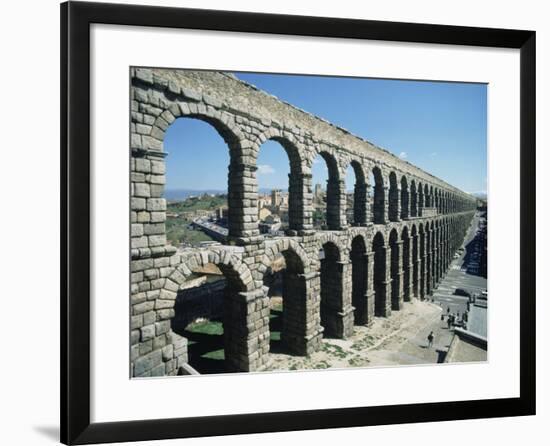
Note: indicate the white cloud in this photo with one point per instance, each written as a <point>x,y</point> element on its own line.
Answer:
<point>265,169</point>
<point>403,155</point>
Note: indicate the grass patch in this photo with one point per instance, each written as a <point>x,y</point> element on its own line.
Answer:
<point>206,327</point>
<point>178,231</point>
<point>206,346</point>
<point>216,354</point>
<point>275,328</point>
<point>204,202</point>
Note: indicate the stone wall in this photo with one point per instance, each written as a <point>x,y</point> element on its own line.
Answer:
<point>246,117</point>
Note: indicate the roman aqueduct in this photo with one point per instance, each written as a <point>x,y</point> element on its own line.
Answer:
<point>406,225</point>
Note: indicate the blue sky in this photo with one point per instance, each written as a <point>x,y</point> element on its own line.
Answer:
<point>439,126</point>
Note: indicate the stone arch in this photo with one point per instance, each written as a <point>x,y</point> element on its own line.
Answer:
<point>352,234</point>
<point>242,221</point>
<point>378,205</point>
<point>223,259</point>
<point>239,285</point>
<point>427,258</point>
<point>438,249</point>
<point>299,324</point>
<point>336,310</point>
<point>336,194</point>
<point>280,247</point>
<point>380,279</point>
<point>395,247</point>
<point>393,198</point>
<point>415,252</point>
<point>299,181</point>
<point>431,256</point>
<point>421,199</point>
<point>406,263</point>
<point>359,280</point>
<point>422,253</point>
<point>427,198</point>
<point>405,199</point>
<point>414,199</point>
<point>341,242</point>
<point>360,213</point>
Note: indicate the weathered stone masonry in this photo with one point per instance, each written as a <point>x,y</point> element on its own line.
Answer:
<point>396,249</point>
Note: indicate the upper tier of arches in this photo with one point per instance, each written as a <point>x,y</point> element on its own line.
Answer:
<point>387,189</point>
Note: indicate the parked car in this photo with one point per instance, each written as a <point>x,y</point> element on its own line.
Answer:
<point>463,292</point>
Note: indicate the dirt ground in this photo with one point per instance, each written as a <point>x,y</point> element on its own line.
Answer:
<point>399,339</point>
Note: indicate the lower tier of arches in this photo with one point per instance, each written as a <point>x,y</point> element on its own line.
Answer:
<point>331,281</point>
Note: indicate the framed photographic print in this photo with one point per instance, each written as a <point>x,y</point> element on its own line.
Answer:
<point>280,222</point>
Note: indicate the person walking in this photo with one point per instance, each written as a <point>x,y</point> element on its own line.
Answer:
<point>430,339</point>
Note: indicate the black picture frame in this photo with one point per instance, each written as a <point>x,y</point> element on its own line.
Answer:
<point>76,18</point>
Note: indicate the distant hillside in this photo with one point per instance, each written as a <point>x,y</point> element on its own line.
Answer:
<point>182,194</point>
<point>200,202</point>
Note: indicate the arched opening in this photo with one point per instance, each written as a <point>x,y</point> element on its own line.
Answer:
<point>359,280</point>
<point>415,262</point>
<point>328,205</point>
<point>405,239</point>
<point>421,199</point>
<point>196,190</point>
<point>287,302</point>
<point>414,200</point>
<point>404,198</point>
<point>423,251</point>
<point>378,198</point>
<point>395,270</point>
<point>278,164</point>
<point>204,314</point>
<point>380,279</point>
<point>428,259</point>
<point>427,199</point>
<point>393,198</point>
<point>356,195</point>
<point>331,290</point>
<point>438,253</point>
